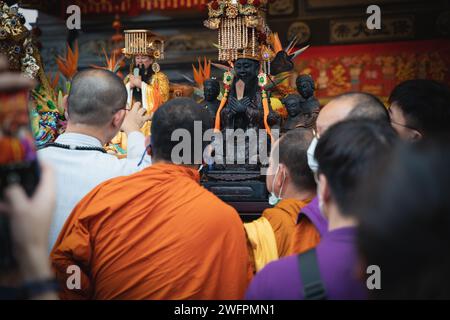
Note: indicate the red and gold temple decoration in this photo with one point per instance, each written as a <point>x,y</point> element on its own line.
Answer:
<point>374,68</point>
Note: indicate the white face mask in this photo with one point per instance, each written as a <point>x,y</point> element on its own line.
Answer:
<point>273,199</point>
<point>312,162</point>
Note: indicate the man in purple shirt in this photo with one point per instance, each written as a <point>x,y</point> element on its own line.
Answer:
<point>345,155</point>
<point>311,224</point>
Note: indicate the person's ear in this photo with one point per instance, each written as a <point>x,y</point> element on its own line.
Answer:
<point>324,189</point>
<point>66,106</point>
<point>416,136</point>
<point>118,119</point>
<point>282,176</point>
<point>150,151</point>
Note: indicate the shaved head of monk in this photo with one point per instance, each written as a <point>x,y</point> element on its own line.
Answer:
<point>352,105</point>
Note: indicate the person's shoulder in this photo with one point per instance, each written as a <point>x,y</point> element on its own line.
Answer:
<point>274,280</point>
<point>217,206</point>
<point>285,264</point>
<point>214,200</point>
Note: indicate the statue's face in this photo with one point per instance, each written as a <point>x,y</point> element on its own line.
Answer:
<point>143,60</point>
<point>292,105</point>
<point>210,90</point>
<point>305,88</point>
<point>246,69</point>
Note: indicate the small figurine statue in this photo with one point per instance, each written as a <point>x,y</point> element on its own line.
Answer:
<point>306,87</point>
<point>211,90</point>
<point>300,114</point>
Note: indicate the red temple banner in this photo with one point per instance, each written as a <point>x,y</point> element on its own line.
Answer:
<point>374,68</point>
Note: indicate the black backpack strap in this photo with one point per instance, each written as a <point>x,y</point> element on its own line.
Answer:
<point>313,288</point>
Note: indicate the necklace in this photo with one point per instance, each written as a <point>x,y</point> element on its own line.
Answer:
<point>69,147</point>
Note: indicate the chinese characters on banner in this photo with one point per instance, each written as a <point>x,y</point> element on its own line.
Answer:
<point>374,68</point>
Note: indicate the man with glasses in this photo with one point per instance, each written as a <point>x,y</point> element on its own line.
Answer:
<point>96,110</point>
<point>311,223</point>
<point>420,108</point>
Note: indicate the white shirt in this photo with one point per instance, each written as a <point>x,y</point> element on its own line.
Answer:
<point>79,171</point>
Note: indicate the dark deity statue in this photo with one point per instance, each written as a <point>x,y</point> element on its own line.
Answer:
<point>211,90</point>
<point>244,108</point>
<point>300,113</point>
<point>306,87</point>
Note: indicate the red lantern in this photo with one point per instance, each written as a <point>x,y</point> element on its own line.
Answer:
<point>256,3</point>
<point>243,2</point>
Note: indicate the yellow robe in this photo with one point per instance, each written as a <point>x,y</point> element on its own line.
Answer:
<point>154,94</point>
<point>269,237</point>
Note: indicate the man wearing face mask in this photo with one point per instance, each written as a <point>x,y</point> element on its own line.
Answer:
<point>346,155</point>
<point>291,186</point>
<point>311,224</point>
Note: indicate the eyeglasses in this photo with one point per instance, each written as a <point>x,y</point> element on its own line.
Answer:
<point>126,108</point>
<point>404,126</point>
<point>400,124</point>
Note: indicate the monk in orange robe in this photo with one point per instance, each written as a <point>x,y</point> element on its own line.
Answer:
<point>157,234</point>
<point>311,226</point>
<point>292,186</point>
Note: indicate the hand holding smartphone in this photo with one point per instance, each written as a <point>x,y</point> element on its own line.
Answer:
<point>18,159</point>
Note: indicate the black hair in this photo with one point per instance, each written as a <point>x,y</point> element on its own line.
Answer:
<point>405,222</point>
<point>179,113</point>
<point>346,153</point>
<point>425,105</point>
<point>95,95</point>
<point>292,153</point>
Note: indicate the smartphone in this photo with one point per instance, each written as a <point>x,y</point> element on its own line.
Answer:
<point>18,160</point>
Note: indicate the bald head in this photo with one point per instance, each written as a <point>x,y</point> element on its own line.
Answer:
<point>95,96</point>
<point>353,105</point>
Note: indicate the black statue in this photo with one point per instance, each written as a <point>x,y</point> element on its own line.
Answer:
<point>300,113</point>
<point>244,108</point>
<point>211,90</point>
<point>306,87</point>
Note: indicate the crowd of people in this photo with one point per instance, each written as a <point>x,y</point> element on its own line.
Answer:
<point>367,187</point>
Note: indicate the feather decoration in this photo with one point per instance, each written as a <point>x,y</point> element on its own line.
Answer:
<point>68,65</point>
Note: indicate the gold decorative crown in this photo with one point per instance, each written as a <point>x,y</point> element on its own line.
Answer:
<point>243,32</point>
<point>16,42</point>
<point>143,42</point>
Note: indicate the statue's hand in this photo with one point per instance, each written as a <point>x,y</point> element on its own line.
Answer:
<point>246,102</point>
<point>239,106</point>
<point>233,105</point>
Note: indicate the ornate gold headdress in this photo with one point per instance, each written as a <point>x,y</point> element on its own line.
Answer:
<point>16,42</point>
<point>243,32</point>
<point>143,42</point>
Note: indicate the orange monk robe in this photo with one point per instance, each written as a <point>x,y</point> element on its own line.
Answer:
<point>156,234</point>
<point>305,236</point>
<point>270,236</point>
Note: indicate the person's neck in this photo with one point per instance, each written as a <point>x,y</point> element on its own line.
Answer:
<point>190,166</point>
<point>302,195</point>
<point>336,220</point>
<point>86,130</point>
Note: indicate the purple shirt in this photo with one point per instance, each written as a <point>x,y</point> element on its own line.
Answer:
<point>312,212</point>
<point>337,259</point>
